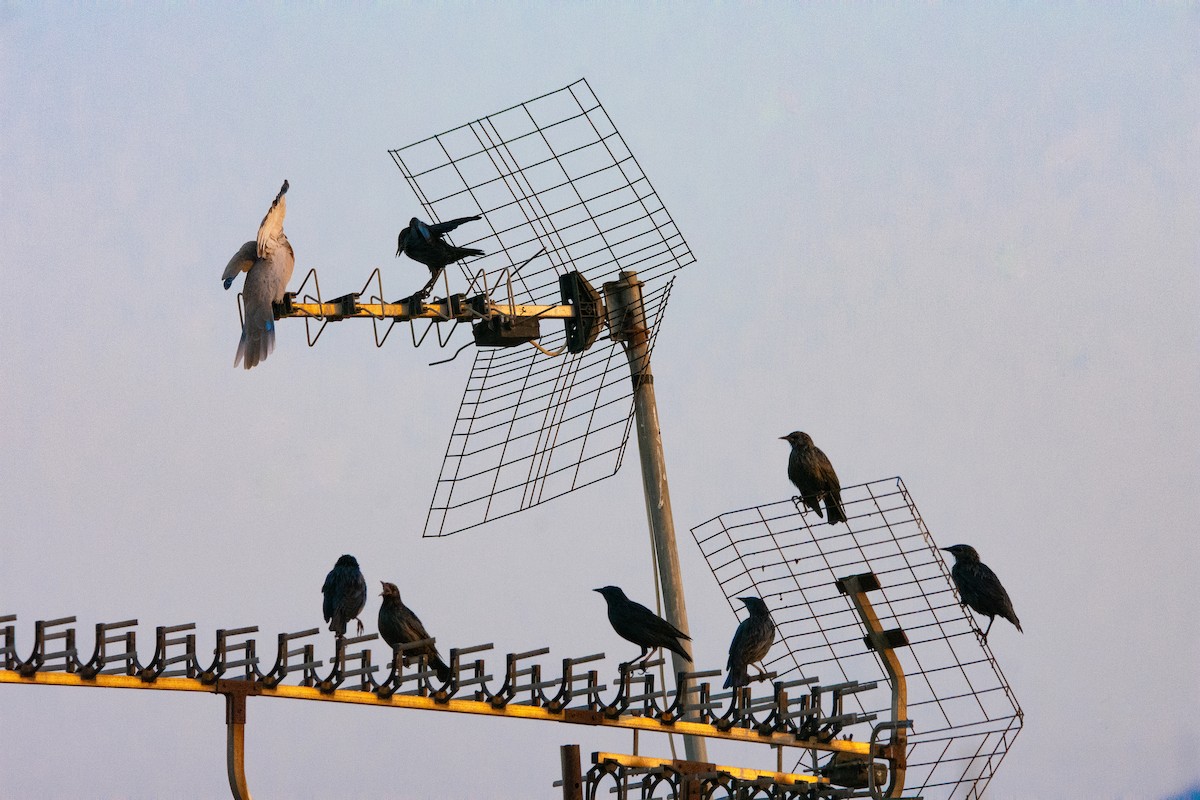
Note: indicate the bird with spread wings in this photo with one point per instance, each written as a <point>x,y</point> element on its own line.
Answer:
<point>268,263</point>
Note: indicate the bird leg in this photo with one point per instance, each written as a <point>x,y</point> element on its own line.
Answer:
<point>427,288</point>
<point>644,657</point>
<point>762,673</point>
<point>360,626</point>
<point>989,627</point>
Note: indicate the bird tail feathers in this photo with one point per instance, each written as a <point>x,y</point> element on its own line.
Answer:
<point>255,345</point>
<point>833,504</point>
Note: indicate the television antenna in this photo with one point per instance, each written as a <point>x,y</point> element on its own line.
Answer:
<point>564,207</point>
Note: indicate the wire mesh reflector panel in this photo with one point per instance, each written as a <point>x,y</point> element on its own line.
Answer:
<point>559,191</point>
<point>965,715</point>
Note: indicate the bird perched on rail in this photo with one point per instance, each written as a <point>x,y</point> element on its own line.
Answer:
<point>345,593</point>
<point>979,587</point>
<point>268,264</point>
<point>751,641</point>
<point>423,242</point>
<point>810,470</point>
<point>638,624</point>
<point>398,625</point>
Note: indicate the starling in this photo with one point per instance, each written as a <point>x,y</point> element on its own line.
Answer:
<point>423,242</point>
<point>813,475</point>
<point>751,642</point>
<point>638,624</point>
<point>399,625</point>
<point>345,595</point>
<point>979,587</point>
<point>268,264</point>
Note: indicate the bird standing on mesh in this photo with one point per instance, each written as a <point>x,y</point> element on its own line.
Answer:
<point>268,264</point>
<point>979,587</point>
<point>398,625</point>
<point>638,624</point>
<point>345,593</point>
<point>423,242</point>
<point>810,470</point>
<point>751,641</point>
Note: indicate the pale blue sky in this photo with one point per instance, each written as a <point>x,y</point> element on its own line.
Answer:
<point>962,244</point>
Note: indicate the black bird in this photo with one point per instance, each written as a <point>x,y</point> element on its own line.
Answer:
<point>979,587</point>
<point>638,624</point>
<point>751,641</point>
<point>399,625</point>
<point>345,593</point>
<point>813,475</point>
<point>423,242</point>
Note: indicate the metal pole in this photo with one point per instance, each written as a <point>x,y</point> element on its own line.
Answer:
<point>572,772</point>
<point>235,692</point>
<point>628,324</point>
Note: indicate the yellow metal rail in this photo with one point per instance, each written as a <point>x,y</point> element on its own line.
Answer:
<point>741,773</point>
<point>427,703</point>
<point>444,309</point>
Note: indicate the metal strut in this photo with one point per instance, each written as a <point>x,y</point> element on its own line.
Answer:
<point>235,692</point>
<point>883,642</point>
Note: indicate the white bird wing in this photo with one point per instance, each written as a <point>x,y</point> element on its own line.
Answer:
<point>271,228</point>
<point>242,261</point>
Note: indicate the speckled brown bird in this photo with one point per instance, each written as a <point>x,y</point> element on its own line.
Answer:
<point>345,593</point>
<point>810,470</point>
<point>751,641</point>
<point>979,587</point>
<point>398,625</point>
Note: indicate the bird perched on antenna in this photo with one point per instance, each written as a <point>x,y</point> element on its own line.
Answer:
<point>398,625</point>
<point>345,593</point>
<point>751,641</point>
<point>638,624</point>
<point>810,470</point>
<point>268,264</point>
<point>423,242</point>
<point>979,587</point>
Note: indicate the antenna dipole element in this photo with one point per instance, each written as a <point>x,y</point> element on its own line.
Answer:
<point>628,324</point>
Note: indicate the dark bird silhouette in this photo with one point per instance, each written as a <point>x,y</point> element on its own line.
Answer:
<point>399,625</point>
<point>268,264</point>
<point>979,587</point>
<point>751,641</point>
<point>345,593</point>
<point>813,475</point>
<point>423,242</point>
<point>638,624</point>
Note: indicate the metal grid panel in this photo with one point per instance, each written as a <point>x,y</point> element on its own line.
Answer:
<point>964,713</point>
<point>559,190</point>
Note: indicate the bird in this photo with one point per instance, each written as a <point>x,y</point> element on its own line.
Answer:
<point>423,242</point>
<point>751,641</point>
<point>345,593</point>
<point>638,624</point>
<point>979,587</point>
<point>268,264</point>
<point>810,470</point>
<point>399,625</point>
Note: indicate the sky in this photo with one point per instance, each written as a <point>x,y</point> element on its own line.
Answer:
<point>959,244</point>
